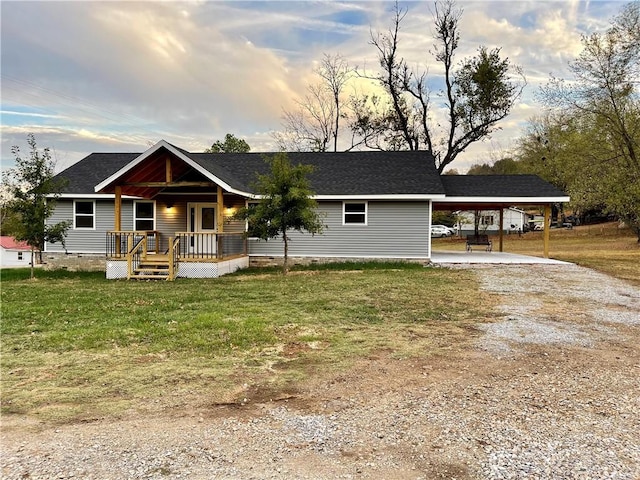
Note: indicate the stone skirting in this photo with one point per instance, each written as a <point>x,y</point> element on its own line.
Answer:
<point>256,261</point>
<point>74,261</point>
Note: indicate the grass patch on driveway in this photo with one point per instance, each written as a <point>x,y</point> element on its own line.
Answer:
<point>77,346</point>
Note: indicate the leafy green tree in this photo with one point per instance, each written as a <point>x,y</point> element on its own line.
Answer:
<point>286,203</point>
<point>33,191</point>
<point>504,166</point>
<point>231,144</point>
<point>593,136</point>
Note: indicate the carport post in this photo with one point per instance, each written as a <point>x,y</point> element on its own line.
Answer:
<point>501,226</point>
<point>547,229</point>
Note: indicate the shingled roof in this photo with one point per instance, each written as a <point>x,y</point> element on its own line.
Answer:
<point>369,174</point>
<point>82,177</point>
<point>335,174</point>
<point>498,186</point>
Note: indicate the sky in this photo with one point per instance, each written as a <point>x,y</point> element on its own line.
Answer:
<point>118,76</point>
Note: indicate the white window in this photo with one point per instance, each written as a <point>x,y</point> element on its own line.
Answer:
<point>354,213</point>
<point>486,220</point>
<point>84,214</point>
<point>144,216</point>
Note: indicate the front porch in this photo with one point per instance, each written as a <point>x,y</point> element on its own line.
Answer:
<point>148,255</point>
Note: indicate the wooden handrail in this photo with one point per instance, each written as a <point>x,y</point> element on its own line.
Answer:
<point>174,256</point>
<point>133,254</point>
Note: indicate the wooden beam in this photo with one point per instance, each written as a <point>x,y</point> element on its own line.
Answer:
<point>117,222</point>
<point>501,228</point>
<point>547,230</point>
<point>168,173</point>
<point>118,209</point>
<point>169,184</point>
<point>220,210</point>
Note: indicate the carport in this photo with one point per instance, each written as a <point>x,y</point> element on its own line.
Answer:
<point>497,192</point>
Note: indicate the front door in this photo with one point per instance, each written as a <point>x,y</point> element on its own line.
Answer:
<point>201,219</point>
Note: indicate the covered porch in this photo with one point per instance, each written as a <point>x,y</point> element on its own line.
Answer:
<point>172,220</point>
<point>142,254</point>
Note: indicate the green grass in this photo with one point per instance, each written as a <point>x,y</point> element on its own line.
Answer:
<point>76,346</point>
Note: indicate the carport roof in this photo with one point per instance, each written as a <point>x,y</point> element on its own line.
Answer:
<point>480,191</point>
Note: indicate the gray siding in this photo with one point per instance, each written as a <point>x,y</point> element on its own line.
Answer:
<point>170,221</point>
<point>88,241</point>
<point>393,230</point>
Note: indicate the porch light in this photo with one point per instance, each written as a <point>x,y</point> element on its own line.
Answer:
<point>169,205</point>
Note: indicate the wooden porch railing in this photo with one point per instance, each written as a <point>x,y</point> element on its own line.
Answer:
<point>206,245</point>
<point>117,241</point>
<point>185,246</point>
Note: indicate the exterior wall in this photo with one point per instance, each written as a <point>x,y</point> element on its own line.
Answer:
<point>84,240</point>
<point>394,230</point>
<point>11,258</point>
<point>170,220</point>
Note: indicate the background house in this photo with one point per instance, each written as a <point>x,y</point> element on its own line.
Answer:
<point>13,253</point>
<point>514,220</point>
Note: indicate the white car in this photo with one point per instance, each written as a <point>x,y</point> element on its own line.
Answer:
<point>452,231</point>
<point>440,231</point>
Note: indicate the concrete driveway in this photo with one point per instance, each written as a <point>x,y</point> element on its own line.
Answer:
<point>443,257</point>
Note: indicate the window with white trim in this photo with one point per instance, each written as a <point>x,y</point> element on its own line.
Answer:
<point>354,213</point>
<point>486,220</point>
<point>144,216</point>
<point>84,214</point>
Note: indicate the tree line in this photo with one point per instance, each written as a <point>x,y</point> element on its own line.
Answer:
<point>587,141</point>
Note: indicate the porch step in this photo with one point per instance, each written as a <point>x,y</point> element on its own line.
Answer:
<point>156,269</point>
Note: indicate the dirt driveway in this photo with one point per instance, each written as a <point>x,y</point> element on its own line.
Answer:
<point>551,390</point>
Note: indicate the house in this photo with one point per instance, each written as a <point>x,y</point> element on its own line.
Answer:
<point>13,253</point>
<point>513,220</point>
<point>168,211</point>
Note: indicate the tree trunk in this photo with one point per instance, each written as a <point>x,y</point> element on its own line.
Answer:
<point>285,263</point>
<point>32,262</point>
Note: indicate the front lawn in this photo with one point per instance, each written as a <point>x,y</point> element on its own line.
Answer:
<point>76,346</point>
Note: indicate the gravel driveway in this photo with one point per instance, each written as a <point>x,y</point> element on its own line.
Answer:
<point>550,390</point>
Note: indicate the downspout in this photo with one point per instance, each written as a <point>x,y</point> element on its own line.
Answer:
<point>429,230</point>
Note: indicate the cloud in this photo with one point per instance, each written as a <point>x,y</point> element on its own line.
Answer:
<point>91,76</point>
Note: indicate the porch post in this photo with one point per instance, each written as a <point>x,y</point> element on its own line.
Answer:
<point>501,226</point>
<point>118,218</point>
<point>547,229</point>
<point>220,211</point>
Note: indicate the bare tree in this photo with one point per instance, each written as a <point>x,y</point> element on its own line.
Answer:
<point>477,95</point>
<point>315,123</point>
<point>335,72</point>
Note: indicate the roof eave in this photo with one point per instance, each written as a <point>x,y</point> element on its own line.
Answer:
<point>507,200</point>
